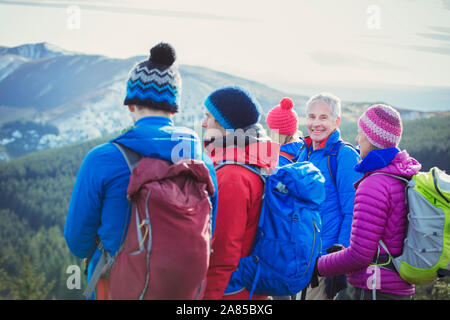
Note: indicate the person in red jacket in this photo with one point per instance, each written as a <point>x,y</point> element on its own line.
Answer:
<point>232,134</point>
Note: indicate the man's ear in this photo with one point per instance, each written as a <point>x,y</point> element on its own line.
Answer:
<point>131,107</point>
<point>221,128</point>
<point>338,121</point>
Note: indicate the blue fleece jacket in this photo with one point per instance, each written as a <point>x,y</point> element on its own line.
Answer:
<point>291,148</point>
<point>99,205</point>
<point>337,209</point>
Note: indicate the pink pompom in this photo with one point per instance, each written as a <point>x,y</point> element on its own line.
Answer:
<point>286,104</point>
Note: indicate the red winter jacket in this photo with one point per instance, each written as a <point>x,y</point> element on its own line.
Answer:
<point>239,204</point>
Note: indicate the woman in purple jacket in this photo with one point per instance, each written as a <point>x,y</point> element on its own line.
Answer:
<point>379,210</point>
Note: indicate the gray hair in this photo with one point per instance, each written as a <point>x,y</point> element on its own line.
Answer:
<point>331,99</point>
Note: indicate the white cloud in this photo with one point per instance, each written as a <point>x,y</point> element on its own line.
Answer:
<point>282,41</point>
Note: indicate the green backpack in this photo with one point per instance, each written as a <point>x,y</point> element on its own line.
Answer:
<point>426,249</point>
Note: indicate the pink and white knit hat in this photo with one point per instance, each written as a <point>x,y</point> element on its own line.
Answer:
<point>382,126</point>
<point>283,118</point>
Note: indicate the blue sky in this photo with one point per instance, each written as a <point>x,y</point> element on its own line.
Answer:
<point>357,48</point>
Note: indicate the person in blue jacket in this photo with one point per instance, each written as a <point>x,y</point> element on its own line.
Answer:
<point>323,115</point>
<point>99,207</point>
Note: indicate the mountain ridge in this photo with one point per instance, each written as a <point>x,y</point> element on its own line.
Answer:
<point>82,94</point>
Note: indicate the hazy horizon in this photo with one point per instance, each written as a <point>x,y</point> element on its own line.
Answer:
<point>361,50</point>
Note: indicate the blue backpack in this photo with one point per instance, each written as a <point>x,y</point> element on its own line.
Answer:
<point>288,239</point>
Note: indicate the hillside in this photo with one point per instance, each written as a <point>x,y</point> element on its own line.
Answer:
<point>82,97</point>
<point>35,192</point>
<point>56,105</point>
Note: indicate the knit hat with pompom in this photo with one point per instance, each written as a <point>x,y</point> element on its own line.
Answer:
<point>156,82</point>
<point>283,118</point>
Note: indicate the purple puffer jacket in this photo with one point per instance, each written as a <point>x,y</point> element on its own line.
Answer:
<point>379,213</point>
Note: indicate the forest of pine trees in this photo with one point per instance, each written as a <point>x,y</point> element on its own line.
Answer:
<point>35,192</point>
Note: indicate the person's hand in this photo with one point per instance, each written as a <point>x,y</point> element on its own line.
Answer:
<point>315,276</point>
<point>86,265</point>
<point>334,285</point>
<point>337,283</point>
<point>335,248</point>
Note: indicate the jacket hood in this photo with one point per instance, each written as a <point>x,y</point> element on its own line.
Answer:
<point>157,137</point>
<point>251,146</point>
<point>390,160</point>
<point>377,159</point>
<point>292,148</point>
<point>403,164</point>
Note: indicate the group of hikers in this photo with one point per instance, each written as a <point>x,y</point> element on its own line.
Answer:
<point>360,208</point>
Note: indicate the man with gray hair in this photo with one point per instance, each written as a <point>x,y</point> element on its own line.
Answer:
<point>336,160</point>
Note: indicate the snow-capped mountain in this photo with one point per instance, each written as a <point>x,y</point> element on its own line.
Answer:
<point>9,63</point>
<point>82,95</point>
<point>36,51</point>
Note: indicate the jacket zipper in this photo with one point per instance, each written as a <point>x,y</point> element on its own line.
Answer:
<point>313,247</point>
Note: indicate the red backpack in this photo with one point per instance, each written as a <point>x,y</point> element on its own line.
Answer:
<point>166,251</point>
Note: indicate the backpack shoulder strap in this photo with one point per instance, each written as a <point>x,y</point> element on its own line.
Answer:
<point>295,158</point>
<point>259,171</point>
<point>332,157</point>
<point>131,157</point>
<point>399,178</point>
<point>106,260</point>
<point>288,156</point>
<point>391,175</point>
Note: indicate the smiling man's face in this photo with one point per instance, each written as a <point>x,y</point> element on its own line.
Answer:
<point>320,122</point>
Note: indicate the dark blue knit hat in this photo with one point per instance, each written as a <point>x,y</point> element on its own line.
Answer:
<point>233,107</point>
<point>155,82</point>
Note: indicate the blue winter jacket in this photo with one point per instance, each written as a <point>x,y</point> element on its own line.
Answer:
<point>291,148</point>
<point>337,209</point>
<point>99,205</point>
